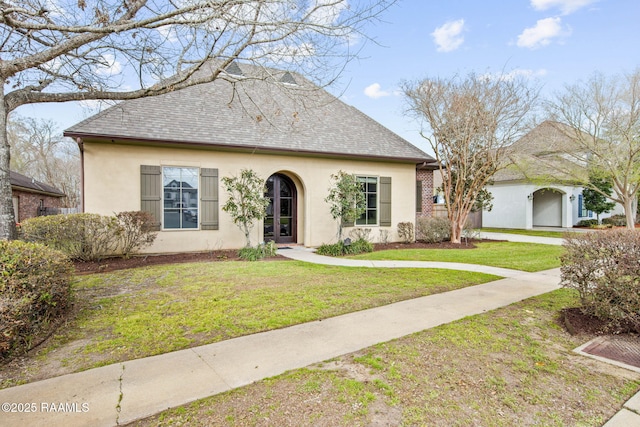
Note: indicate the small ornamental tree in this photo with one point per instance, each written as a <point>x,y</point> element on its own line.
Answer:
<point>596,201</point>
<point>346,199</point>
<point>246,203</point>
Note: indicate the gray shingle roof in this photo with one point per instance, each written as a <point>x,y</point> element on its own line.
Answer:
<point>539,154</point>
<point>24,182</point>
<point>281,112</point>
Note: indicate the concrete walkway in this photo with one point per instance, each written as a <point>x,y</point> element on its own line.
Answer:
<point>521,238</point>
<point>123,392</point>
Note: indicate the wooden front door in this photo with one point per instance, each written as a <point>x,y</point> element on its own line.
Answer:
<point>280,223</point>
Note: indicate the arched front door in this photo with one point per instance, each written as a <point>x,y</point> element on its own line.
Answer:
<point>280,223</point>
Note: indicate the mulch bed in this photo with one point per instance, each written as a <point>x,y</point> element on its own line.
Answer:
<point>113,264</point>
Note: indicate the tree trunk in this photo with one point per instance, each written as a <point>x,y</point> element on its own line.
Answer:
<point>629,213</point>
<point>457,226</point>
<point>7,216</point>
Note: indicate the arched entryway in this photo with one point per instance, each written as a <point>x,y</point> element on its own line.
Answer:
<point>280,223</point>
<point>547,208</point>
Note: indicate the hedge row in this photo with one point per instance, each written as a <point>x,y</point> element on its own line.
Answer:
<point>89,237</point>
<point>35,290</point>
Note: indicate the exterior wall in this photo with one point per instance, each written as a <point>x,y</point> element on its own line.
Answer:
<point>112,184</point>
<point>426,210</point>
<point>28,203</point>
<point>511,206</point>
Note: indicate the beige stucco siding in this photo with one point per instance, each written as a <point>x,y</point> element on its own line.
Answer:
<point>112,184</point>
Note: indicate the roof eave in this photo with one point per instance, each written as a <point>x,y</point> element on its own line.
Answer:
<point>235,147</point>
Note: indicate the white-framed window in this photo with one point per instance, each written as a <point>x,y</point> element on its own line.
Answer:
<point>180,202</point>
<point>370,189</point>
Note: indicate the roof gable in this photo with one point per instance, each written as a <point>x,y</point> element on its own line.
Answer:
<point>257,109</point>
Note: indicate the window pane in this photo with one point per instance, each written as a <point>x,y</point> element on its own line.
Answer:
<point>285,227</point>
<point>285,207</point>
<point>268,227</point>
<point>285,190</point>
<point>180,197</point>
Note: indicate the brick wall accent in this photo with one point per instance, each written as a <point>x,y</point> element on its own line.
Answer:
<point>426,176</point>
<point>28,204</point>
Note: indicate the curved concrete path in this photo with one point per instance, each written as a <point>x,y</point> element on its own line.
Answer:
<point>123,392</point>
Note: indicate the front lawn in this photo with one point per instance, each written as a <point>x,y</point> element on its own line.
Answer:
<point>147,311</point>
<point>518,256</point>
<point>509,367</point>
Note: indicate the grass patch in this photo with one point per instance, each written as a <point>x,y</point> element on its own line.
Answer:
<point>519,256</point>
<point>142,312</point>
<point>539,233</point>
<point>511,366</point>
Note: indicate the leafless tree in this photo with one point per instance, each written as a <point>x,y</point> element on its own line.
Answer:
<point>470,122</point>
<point>78,50</point>
<point>602,118</point>
<point>40,152</point>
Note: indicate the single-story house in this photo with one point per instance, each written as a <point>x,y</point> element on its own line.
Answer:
<point>167,155</point>
<point>32,198</point>
<point>530,193</point>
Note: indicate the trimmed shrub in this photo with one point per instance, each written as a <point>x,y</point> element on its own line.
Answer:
<point>406,232</point>
<point>83,236</point>
<point>616,220</point>
<point>35,290</point>
<point>89,237</point>
<point>587,223</point>
<point>335,249</point>
<point>338,249</point>
<point>135,231</point>
<point>433,229</point>
<point>604,267</point>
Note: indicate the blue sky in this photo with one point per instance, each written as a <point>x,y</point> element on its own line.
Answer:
<point>554,42</point>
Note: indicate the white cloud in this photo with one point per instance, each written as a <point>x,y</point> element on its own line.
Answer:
<point>109,66</point>
<point>565,6</point>
<point>514,74</point>
<point>448,36</point>
<point>542,34</point>
<point>374,91</point>
<point>326,12</point>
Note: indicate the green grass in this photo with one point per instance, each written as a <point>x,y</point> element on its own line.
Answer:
<point>506,367</point>
<point>142,312</point>
<point>519,256</point>
<point>539,233</point>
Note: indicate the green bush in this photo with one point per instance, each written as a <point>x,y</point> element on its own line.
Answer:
<point>335,249</point>
<point>433,229</point>
<point>604,267</point>
<point>616,220</point>
<point>358,247</point>
<point>83,236</point>
<point>587,222</point>
<point>89,237</point>
<point>338,249</point>
<point>35,290</point>
<point>256,253</point>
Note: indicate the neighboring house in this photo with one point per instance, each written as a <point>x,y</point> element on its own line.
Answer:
<point>531,193</point>
<point>167,154</point>
<point>32,198</point>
